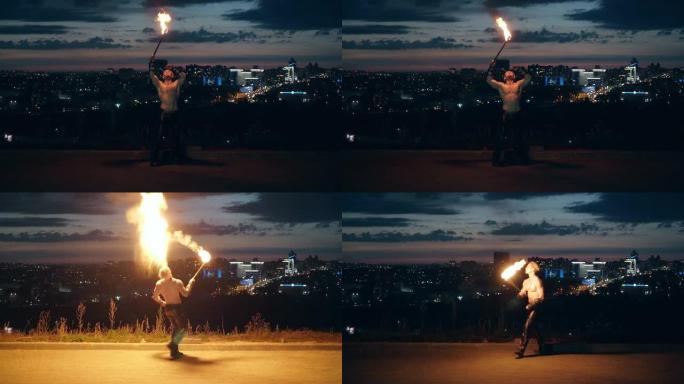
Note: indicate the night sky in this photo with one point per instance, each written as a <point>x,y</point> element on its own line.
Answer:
<point>420,35</point>
<point>428,228</point>
<point>92,228</point>
<point>97,34</point>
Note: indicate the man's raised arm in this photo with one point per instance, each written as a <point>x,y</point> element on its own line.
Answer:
<point>493,83</point>
<point>526,80</point>
<point>155,79</point>
<point>181,79</point>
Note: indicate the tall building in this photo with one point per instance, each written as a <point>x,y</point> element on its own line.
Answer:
<point>289,261</point>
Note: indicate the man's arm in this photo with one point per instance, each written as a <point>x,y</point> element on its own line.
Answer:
<point>523,290</point>
<point>525,81</point>
<point>155,79</point>
<point>156,297</point>
<point>185,291</point>
<point>181,79</point>
<point>493,83</point>
<point>540,287</point>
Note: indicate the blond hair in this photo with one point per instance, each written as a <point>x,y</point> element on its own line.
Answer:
<point>164,272</point>
<point>533,265</point>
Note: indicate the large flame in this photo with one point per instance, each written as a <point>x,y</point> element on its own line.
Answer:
<point>152,229</point>
<point>154,234</point>
<point>164,20</point>
<point>504,27</point>
<point>510,271</point>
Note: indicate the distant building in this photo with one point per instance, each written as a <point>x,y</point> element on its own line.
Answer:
<point>593,270</point>
<point>290,267</point>
<point>584,78</point>
<point>250,270</point>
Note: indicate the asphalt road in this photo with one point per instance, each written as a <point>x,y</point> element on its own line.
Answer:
<point>208,171</point>
<point>471,171</point>
<point>146,366</point>
<point>399,363</point>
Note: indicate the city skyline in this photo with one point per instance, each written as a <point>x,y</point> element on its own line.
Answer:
<point>436,228</point>
<point>412,35</point>
<point>92,228</point>
<point>34,35</point>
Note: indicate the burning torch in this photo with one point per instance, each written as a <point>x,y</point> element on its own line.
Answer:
<point>507,37</point>
<point>164,19</point>
<point>512,270</point>
<point>204,257</point>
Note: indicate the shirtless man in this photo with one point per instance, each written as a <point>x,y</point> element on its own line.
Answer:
<point>167,292</point>
<point>533,289</point>
<point>511,129</point>
<point>168,91</point>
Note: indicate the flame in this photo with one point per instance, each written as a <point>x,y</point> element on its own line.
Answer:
<point>164,19</point>
<point>510,271</point>
<point>154,234</point>
<point>504,27</point>
<point>152,229</point>
<point>187,241</point>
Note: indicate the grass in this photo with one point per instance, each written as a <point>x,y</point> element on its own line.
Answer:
<point>143,331</point>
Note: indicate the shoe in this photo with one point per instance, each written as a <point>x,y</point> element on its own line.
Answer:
<point>177,355</point>
<point>519,354</point>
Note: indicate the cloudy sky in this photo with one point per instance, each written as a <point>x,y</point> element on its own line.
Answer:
<point>427,228</point>
<point>400,35</point>
<point>96,34</point>
<point>86,227</point>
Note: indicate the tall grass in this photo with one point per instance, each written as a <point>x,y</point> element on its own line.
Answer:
<point>256,329</point>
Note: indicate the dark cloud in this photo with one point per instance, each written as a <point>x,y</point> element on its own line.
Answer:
<point>492,196</point>
<point>396,44</point>
<point>33,221</point>
<point>292,15</point>
<point>54,44</point>
<point>292,208</point>
<point>57,237</point>
<point>376,222</point>
<point>400,237</point>
<point>544,228</point>
<point>546,36</point>
<point>56,203</point>
<point>398,203</point>
<point>490,222</point>
<point>635,15</point>
<point>204,36</point>
<point>33,29</point>
<point>38,10</point>
<point>520,3</point>
<point>182,3</point>
<point>635,208</point>
<point>400,10</point>
<point>375,29</point>
<point>203,228</point>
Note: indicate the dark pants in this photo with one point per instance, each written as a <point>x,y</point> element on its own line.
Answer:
<point>511,140</point>
<point>168,135</point>
<point>176,316</point>
<point>532,325</point>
